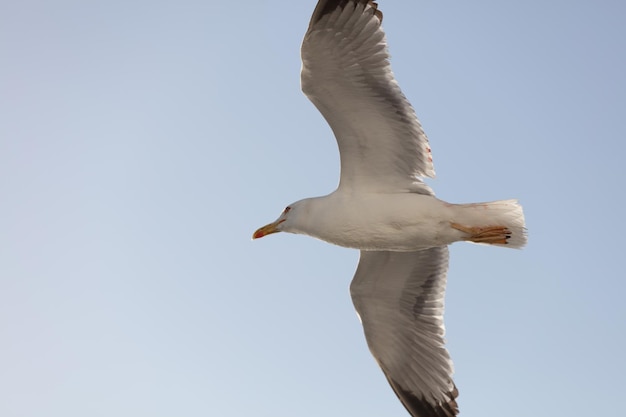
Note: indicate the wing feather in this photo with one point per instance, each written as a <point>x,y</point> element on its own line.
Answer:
<point>347,75</point>
<point>399,297</point>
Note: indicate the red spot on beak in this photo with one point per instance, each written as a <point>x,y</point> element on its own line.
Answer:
<point>267,229</point>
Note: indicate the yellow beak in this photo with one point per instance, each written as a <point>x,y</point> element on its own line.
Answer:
<point>267,229</point>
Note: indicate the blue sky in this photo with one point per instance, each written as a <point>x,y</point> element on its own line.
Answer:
<point>142,142</point>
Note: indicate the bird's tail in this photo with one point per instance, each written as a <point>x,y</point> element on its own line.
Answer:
<point>499,223</point>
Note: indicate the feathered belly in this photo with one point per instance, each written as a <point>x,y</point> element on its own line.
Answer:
<point>394,222</point>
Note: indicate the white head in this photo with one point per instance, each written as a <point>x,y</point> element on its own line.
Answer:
<point>290,220</point>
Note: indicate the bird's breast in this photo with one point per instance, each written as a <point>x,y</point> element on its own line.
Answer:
<point>394,222</point>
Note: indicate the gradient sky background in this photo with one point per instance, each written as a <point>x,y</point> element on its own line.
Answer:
<point>142,142</point>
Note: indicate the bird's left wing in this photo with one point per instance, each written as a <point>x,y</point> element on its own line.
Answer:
<point>347,75</point>
<point>399,297</point>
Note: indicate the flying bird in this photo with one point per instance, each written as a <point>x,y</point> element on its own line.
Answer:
<point>383,208</point>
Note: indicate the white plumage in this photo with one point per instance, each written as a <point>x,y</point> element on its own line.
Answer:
<point>382,207</point>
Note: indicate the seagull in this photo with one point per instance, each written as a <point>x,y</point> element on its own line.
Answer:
<point>383,208</point>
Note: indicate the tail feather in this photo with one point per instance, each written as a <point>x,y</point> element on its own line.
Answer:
<point>503,213</point>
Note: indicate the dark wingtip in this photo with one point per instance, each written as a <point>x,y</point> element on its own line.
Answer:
<point>325,7</point>
<point>420,407</point>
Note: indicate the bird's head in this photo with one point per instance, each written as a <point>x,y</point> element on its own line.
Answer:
<point>296,218</point>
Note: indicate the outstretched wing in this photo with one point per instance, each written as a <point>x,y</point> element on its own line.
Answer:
<point>347,75</point>
<point>399,297</point>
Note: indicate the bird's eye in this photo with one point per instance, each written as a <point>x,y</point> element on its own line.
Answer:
<point>286,210</point>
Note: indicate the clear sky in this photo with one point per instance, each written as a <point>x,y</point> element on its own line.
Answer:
<point>142,142</point>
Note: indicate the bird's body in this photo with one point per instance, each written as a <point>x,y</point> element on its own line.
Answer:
<point>383,208</point>
<point>401,222</point>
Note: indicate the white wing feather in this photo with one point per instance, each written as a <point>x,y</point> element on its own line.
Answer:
<point>399,297</point>
<point>347,75</point>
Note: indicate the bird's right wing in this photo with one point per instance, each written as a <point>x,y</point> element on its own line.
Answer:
<point>399,297</point>
<point>347,75</point>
